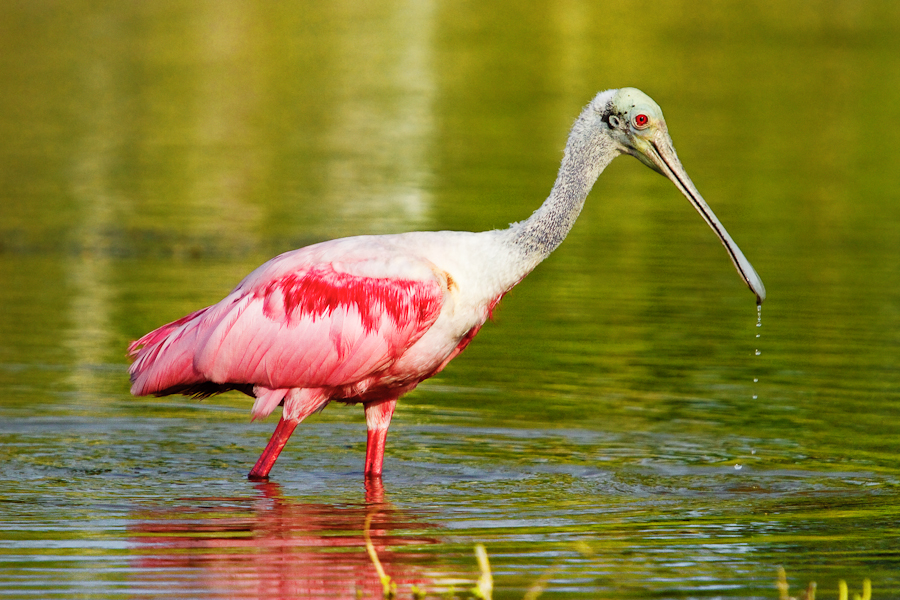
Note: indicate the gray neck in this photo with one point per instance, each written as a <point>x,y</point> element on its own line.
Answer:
<point>588,151</point>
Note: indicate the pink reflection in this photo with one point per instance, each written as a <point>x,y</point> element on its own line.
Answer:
<point>277,548</point>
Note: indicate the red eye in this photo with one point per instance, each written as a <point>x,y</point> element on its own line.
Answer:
<point>641,120</point>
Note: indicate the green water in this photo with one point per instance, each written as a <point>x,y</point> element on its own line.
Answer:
<point>612,434</point>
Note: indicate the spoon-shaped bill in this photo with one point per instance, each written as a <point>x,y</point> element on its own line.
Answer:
<point>662,157</point>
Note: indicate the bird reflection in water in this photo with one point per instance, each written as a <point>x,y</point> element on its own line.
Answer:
<point>274,547</point>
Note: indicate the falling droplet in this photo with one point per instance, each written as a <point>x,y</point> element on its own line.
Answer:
<point>757,352</point>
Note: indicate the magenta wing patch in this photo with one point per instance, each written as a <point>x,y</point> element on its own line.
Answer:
<point>321,291</point>
<point>315,328</point>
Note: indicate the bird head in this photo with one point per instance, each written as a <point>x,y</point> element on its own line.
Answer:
<point>635,122</point>
<point>636,125</point>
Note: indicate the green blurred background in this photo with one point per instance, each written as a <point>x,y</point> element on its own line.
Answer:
<point>153,153</point>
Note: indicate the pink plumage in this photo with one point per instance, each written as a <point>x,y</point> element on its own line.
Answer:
<point>334,321</point>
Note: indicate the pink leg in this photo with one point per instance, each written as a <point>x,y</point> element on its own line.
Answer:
<point>260,471</point>
<point>378,419</point>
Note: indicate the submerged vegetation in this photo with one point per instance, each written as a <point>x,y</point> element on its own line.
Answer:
<point>810,592</point>
<point>484,587</point>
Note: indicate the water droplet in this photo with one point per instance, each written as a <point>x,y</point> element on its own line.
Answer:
<point>757,352</point>
<point>738,467</point>
<point>753,452</point>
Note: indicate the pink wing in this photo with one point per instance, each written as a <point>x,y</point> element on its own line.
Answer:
<point>312,326</point>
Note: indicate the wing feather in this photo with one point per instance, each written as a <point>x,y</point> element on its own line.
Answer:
<point>311,326</point>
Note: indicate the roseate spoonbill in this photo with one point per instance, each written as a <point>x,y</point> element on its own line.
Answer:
<point>365,319</point>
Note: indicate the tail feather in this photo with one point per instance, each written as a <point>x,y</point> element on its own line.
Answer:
<point>164,358</point>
